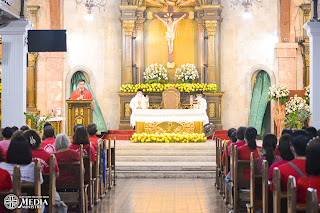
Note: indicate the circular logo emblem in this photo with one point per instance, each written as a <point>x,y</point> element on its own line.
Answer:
<point>11,201</point>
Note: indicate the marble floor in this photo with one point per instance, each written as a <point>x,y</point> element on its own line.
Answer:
<point>162,195</point>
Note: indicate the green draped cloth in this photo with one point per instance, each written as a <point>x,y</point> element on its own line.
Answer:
<point>97,114</point>
<point>259,102</point>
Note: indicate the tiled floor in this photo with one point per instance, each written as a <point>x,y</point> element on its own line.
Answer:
<point>163,195</point>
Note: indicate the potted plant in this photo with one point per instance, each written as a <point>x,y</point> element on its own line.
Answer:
<point>156,73</point>
<point>36,122</point>
<point>187,73</point>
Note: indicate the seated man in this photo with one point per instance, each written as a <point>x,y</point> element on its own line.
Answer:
<point>138,101</point>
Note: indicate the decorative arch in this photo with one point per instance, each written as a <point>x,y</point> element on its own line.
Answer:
<point>253,74</point>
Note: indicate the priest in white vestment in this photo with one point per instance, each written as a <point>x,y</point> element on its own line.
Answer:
<point>138,101</point>
<point>202,102</point>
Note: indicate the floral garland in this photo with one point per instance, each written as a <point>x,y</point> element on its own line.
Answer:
<point>133,88</point>
<point>296,104</point>
<point>168,138</point>
<point>187,73</point>
<point>307,94</point>
<point>279,92</point>
<point>156,73</point>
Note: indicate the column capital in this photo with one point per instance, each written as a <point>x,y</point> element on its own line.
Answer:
<point>139,24</point>
<point>211,26</point>
<point>312,28</point>
<point>201,25</point>
<point>19,27</point>
<point>32,57</point>
<point>128,26</point>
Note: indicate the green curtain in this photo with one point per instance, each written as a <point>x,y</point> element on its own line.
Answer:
<point>259,102</point>
<point>97,114</point>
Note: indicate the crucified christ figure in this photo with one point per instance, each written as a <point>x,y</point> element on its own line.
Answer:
<point>170,23</point>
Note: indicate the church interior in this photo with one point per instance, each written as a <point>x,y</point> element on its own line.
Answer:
<point>159,106</point>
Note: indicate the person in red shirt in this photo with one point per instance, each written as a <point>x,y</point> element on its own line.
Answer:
<point>81,93</point>
<point>3,153</point>
<point>5,177</point>
<point>233,139</point>
<point>285,153</point>
<point>296,167</point>
<point>81,137</point>
<point>313,172</point>
<point>48,142</point>
<point>34,141</point>
<point>240,137</point>
<point>92,131</point>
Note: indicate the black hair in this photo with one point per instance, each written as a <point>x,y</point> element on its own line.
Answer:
<point>81,80</point>
<point>284,147</point>
<point>15,128</point>
<point>300,143</point>
<point>7,132</point>
<point>299,132</point>
<point>230,131</point>
<point>234,137</point>
<point>24,128</point>
<point>286,131</point>
<point>19,151</point>
<point>92,129</point>
<point>48,132</point>
<point>76,126</point>
<point>1,157</point>
<point>47,124</point>
<point>139,90</point>
<point>269,144</point>
<point>312,131</point>
<point>304,128</point>
<point>251,135</point>
<point>313,157</point>
<point>33,138</point>
<point>199,92</point>
<point>240,133</point>
<point>81,136</point>
<point>318,132</point>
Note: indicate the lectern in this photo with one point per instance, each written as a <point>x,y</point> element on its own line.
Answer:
<point>79,112</point>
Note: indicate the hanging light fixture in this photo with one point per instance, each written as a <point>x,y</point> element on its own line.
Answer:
<point>247,4</point>
<point>89,4</point>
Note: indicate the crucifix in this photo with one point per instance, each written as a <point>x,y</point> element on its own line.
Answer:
<point>170,19</point>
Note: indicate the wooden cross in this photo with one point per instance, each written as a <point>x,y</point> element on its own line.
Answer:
<point>170,19</point>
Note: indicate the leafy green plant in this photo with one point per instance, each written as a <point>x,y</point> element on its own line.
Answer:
<point>36,121</point>
<point>296,119</point>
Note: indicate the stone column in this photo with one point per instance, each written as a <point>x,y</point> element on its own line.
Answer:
<point>14,72</point>
<point>32,82</point>
<point>140,49</point>
<point>313,30</point>
<point>201,59</point>
<point>211,26</point>
<point>128,26</point>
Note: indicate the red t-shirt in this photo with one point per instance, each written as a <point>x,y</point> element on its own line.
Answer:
<point>244,154</point>
<point>85,150</point>
<point>276,152</point>
<point>94,140</point>
<point>238,144</point>
<point>274,166</point>
<point>3,153</point>
<point>302,187</point>
<point>48,145</point>
<point>5,180</point>
<point>44,160</point>
<point>69,155</point>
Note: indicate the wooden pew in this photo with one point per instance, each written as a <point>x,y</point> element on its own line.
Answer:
<point>102,169</point>
<point>312,201</point>
<point>88,177</point>
<point>239,182</point>
<point>96,175</point>
<point>74,192</point>
<point>230,181</point>
<point>221,169</point>
<point>217,163</point>
<point>111,165</point>
<point>16,190</point>
<point>279,197</point>
<point>255,188</point>
<point>48,187</point>
<point>226,171</point>
<point>266,194</point>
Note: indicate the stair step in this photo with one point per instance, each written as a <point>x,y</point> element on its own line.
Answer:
<point>142,165</point>
<point>165,174</point>
<point>166,153</point>
<point>165,158</point>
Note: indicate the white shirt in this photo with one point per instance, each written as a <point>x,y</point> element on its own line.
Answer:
<point>27,171</point>
<point>134,103</point>
<point>203,104</point>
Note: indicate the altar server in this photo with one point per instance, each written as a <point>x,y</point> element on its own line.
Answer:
<point>138,101</point>
<point>201,100</point>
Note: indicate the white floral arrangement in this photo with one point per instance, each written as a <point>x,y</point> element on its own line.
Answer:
<point>296,104</point>
<point>307,94</point>
<point>156,73</point>
<point>187,73</point>
<point>279,92</point>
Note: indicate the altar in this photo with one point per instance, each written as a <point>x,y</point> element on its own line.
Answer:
<point>169,120</point>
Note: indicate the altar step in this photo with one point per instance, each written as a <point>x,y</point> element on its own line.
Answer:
<point>221,134</point>
<point>119,134</point>
<point>176,160</point>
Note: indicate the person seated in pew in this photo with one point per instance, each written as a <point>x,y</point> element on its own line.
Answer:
<point>81,137</point>
<point>24,128</point>
<point>19,154</point>
<point>285,153</point>
<point>92,131</point>
<point>49,139</point>
<point>6,133</point>
<point>240,138</point>
<point>5,178</point>
<point>313,172</point>
<point>269,144</point>
<point>233,139</point>
<point>296,167</point>
<point>34,141</point>
<point>312,131</point>
<point>64,154</point>
<point>318,132</point>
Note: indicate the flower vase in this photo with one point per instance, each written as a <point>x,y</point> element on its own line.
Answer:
<point>279,112</point>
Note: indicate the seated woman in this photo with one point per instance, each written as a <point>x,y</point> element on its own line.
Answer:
<point>5,178</point>
<point>269,144</point>
<point>48,142</point>
<point>19,154</point>
<point>313,172</point>
<point>233,139</point>
<point>284,151</point>
<point>34,140</point>
<point>81,137</point>
<point>92,131</point>
<point>6,133</point>
<point>64,154</point>
<point>240,137</point>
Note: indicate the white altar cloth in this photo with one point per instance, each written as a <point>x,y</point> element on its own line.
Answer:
<point>168,115</point>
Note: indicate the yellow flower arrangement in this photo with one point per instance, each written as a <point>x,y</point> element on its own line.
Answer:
<point>167,138</point>
<point>131,88</point>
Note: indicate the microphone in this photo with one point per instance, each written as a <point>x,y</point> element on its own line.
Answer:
<point>82,92</point>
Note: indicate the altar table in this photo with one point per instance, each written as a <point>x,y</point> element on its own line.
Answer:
<point>169,120</point>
